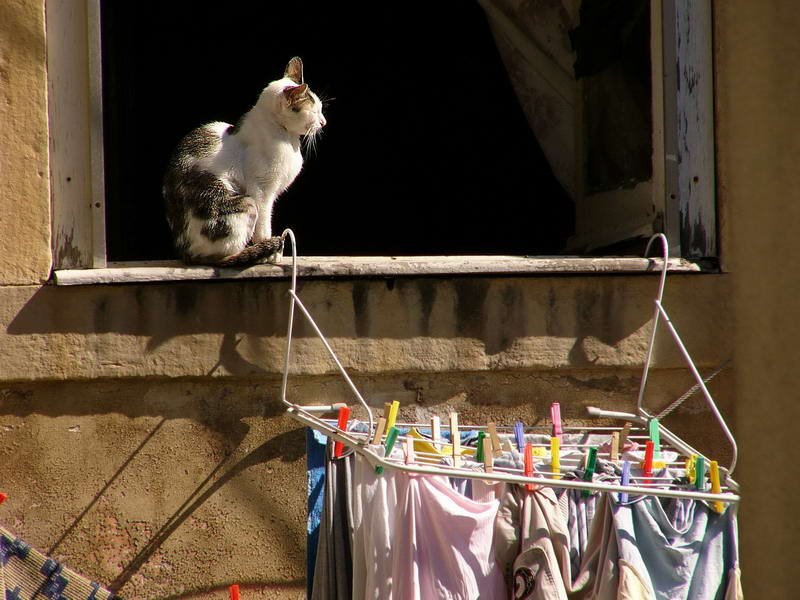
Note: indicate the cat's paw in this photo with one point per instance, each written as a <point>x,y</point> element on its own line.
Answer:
<point>276,256</point>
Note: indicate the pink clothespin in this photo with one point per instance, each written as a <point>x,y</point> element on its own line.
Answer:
<point>555,416</point>
<point>344,416</point>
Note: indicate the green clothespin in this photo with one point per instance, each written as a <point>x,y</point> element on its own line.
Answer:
<point>391,438</point>
<point>655,437</point>
<point>591,465</point>
<point>479,451</point>
<point>700,473</point>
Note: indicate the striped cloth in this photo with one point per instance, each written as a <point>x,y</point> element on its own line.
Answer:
<point>26,574</point>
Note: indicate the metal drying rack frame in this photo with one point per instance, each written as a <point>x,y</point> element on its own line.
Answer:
<point>360,442</point>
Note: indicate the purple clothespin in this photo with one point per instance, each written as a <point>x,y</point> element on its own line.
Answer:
<point>625,480</point>
<point>519,435</point>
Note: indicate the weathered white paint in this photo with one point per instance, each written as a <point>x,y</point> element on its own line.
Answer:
<point>370,266</point>
<point>689,128</point>
<point>68,107</point>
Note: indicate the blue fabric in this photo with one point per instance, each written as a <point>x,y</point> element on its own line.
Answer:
<point>315,472</point>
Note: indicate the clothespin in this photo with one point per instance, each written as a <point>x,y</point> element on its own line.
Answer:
<point>479,449</point>
<point>391,414</point>
<point>555,457</point>
<point>488,455</point>
<point>647,463</point>
<point>410,456</point>
<point>233,592</point>
<point>3,497</point>
<point>625,480</point>
<point>344,416</point>
<point>379,429</point>
<point>391,438</point>
<point>555,416</point>
<point>700,473</point>
<point>519,435</point>
<point>691,473</point>
<point>615,446</point>
<point>455,439</point>
<point>497,448</point>
<point>528,464</point>
<point>507,447</point>
<point>655,437</point>
<point>716,488</point>
<point>623,436</point>
<point>436,430</point>
<point>591,465</point>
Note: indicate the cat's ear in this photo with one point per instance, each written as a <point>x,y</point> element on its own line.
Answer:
<point>295,93</point>
<point>294,70</point>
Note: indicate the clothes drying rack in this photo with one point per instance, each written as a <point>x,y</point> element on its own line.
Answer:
<point>367,440</point>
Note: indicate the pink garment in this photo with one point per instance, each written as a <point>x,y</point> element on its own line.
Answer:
<point>443,543</point>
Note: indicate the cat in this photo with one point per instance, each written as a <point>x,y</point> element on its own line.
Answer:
<point>222,180</point>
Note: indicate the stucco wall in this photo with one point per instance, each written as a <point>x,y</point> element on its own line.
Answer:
<point>758,125</point>
<point>140,431</point>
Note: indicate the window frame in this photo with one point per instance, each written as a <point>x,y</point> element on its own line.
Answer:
<point>683,156</point>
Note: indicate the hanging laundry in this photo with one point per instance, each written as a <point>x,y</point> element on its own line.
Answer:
<point>26,573</point>
<point>333,568</point>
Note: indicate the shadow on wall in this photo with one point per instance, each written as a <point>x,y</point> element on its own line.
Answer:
<point>496,311</point>
<point>220,408</point>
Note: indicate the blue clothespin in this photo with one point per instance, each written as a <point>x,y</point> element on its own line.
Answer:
<point>625,480</point>
<point>519,435</point>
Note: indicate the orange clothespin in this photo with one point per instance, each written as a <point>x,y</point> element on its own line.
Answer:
<point>233,591</point>
<point>528,463</point>
<point>647,464</point>
<point>344,416</point>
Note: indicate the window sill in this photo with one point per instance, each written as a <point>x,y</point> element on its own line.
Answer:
<point>371,266</point>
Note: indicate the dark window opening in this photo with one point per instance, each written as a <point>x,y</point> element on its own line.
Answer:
<point>427,149</point>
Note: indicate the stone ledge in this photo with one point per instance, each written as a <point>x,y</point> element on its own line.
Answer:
<point>372,266</point>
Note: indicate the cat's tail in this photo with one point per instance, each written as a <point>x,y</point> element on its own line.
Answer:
<point>253,254</point>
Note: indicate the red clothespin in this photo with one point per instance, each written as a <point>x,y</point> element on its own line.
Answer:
<point>3,497</point>
<point>344,416</point>
<point>528,463</point>
<point>555,416</point>
<point>647,465</point>
<point>234,592</point>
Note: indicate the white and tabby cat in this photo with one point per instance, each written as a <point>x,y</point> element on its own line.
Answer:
<point>222,181</point>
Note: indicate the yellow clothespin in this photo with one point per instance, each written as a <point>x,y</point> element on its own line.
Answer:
<point>716,488</point>
<point>555,457</point>
<point>379,429</point>
<point>497,448</point>
<point>391,418</point>
<point>455,439</point>
<point>690,470</point>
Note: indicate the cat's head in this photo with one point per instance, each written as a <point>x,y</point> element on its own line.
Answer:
<point>292,102</point>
